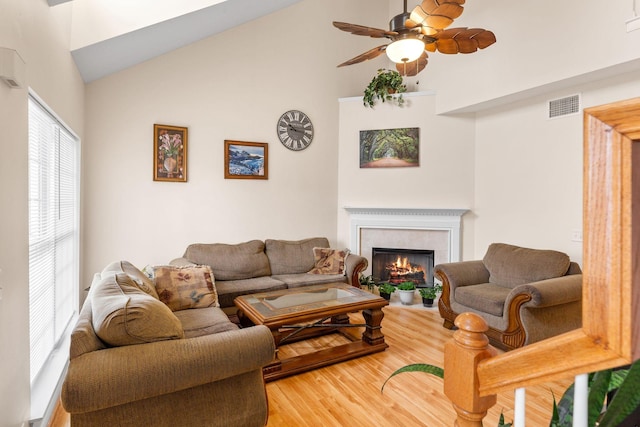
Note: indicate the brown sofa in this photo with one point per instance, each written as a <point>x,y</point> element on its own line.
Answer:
<point>525,295</point>
<point>258,266</point>
<point>134,361</point>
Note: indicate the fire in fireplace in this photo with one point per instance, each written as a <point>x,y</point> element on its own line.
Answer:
<point>403,265</point>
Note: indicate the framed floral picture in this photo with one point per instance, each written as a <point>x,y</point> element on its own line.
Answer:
<point>169,153</point>
<point>246,160</point>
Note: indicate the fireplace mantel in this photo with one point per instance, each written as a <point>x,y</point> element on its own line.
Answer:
<point>454,213</point>
<point>448,220</point>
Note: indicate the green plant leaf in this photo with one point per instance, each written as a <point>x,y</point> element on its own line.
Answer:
<point>626,399</point>
<point>417,367</point>
<point>563,411</point>
<point>501,422</point>
<point>598,389</point>
<point>555,418</point>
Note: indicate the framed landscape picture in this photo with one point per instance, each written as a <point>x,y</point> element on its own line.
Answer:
<point>390,148</point>
<point>169,153</point>
<point>246,160</point>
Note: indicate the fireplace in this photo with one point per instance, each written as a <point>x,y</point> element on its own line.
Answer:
<point>403,265</point>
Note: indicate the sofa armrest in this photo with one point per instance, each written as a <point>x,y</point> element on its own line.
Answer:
<point>181,262</point>
<point>463,273</point>
<point>550,292</point>
<point>115,376</point>
<point>354,265</point>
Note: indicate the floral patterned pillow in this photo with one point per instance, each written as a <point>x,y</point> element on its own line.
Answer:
<point>328,261</point>
<point>181,288</point>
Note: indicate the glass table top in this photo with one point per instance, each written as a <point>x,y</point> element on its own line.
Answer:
<point>308,298</point>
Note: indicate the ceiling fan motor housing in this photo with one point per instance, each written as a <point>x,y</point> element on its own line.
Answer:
<point>397,23</point>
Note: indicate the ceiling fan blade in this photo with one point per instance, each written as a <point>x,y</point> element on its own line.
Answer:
<point>361,30</point>
<point>461,40</point>
<point>370,54</point>
<point>414,67</point>
<point>435,15</point>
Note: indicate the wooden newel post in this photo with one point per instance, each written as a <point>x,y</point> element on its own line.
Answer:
<point>461,357</point>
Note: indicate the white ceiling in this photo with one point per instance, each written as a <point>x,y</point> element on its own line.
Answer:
<point>114,54</point>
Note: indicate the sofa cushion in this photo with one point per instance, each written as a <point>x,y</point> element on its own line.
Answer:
<point>293,256</point>
<point>511,266</point>
<point>122,314</point>
<point>306,279</point>
<point>141,279</point>
<point>204,321</point>
<point>228,290</point>
<point>231,262</point>
<point>328,261</point>
<point>485,297</point>
<point>181,288</point>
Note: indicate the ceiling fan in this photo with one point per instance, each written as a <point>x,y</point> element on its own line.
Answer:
<point>413,34</point>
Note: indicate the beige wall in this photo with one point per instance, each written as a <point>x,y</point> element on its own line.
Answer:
<point>528,184</point>
<point>231,86</point>
<point>444,178</point>
<point>41,35</point>
<point>540,45</point>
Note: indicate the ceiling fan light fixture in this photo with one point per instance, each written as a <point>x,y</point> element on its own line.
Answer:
<point>405,50</point>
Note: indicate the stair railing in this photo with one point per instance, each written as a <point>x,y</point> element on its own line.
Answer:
<point>610,333</point>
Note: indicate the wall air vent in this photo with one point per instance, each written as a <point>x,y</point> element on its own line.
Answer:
<point>566,106</point>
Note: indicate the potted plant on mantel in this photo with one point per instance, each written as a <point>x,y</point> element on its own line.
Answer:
<point>385,290</point>
<point>429,294</point>
<point>407,291</point>
<point>387,85</point>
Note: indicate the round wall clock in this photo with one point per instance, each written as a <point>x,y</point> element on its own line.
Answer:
<point>295,130</point>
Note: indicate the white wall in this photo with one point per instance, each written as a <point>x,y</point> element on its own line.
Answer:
<point>231,86</point>
<point>41,36</point>
<point>528,184</point>
<point>444,178</point>
<point>539,44</point>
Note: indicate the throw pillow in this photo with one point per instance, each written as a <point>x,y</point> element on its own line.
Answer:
<point>122,314</point>
<point>140,279</point>
<point>328,261</point>
<point>181,288</point>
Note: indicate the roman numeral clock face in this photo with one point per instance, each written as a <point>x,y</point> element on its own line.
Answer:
<point>295,130</point>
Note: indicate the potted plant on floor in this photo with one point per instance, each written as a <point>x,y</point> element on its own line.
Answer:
<point>387,85</point>
<point>429,294</point>
<point>407,291</point>
<point>385,290</point>
<point>367,282</point>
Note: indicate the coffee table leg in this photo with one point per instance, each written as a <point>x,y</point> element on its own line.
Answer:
<point>340,319</point>
<point>373,331</point>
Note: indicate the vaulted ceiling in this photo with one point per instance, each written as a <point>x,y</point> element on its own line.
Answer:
<point>99,59</point>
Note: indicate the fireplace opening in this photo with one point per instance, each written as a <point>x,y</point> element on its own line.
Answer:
<point>395,266</point>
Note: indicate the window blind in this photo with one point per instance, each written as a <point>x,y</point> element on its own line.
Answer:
<point>53,232</point>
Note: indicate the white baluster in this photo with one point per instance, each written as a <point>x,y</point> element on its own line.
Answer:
<point>580,401</point>
<point>519,410</point>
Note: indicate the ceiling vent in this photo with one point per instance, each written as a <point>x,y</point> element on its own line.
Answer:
<point>566,106</point>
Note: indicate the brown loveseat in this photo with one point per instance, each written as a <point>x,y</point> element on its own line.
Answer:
<point>258,266</point>
<point>136,362</point>
<point>524,295</point>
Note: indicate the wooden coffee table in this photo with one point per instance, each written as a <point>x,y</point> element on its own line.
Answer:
<point>310,311</point>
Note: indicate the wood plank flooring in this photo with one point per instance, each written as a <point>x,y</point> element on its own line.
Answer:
<point>348,393</point>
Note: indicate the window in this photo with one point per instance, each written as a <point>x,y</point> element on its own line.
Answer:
<point>53,233</point>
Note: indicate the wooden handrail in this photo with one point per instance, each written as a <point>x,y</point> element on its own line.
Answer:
<point>610,335</point>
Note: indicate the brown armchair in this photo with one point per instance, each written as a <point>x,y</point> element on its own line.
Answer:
<point>524,295</point>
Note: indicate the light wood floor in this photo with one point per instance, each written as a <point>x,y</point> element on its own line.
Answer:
<point>348,394</point>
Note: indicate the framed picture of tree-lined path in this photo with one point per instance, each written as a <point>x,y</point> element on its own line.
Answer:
<point>390,148</point>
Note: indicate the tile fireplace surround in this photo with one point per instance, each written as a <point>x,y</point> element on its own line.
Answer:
<point>434,229</point>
